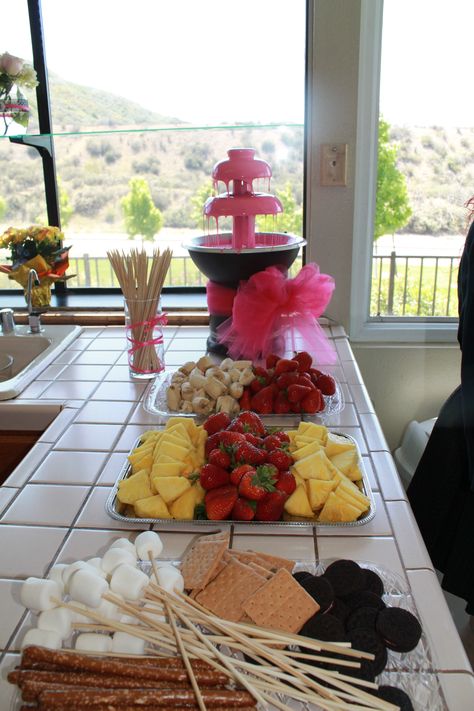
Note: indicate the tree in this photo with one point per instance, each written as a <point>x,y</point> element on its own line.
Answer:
<point>198,199</point>
<point>291,220</point>
<point>392,209</point>
<point>3,208</point>
<point>141,215</point>
<point>65,208</point>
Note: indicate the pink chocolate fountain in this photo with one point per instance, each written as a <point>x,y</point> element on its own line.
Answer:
<point>228,258</point>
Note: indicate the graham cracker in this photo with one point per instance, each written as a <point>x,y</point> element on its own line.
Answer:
<point>281,604</point>
<point>201,561</point>
<point>261,570</point>
<point>226,594</point>
<point>270,562</point>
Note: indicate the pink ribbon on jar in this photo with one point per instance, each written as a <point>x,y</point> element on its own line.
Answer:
<point>148,326</point>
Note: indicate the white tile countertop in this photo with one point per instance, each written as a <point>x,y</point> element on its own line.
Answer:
<point>52,507</point>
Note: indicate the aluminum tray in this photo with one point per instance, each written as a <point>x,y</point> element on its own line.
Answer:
<point>120,511</point>
<point>155,402</point>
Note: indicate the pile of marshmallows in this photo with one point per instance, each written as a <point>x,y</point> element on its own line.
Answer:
<point>84,583</point>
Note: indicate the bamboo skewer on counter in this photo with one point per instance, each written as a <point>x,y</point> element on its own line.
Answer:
<point>141,288</point>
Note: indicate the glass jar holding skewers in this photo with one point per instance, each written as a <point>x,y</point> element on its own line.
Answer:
<point>144,323</point>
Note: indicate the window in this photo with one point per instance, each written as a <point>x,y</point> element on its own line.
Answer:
<point>170,88</point>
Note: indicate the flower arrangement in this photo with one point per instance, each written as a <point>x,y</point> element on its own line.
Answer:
<point>15,73</point>
<point>36,248</point>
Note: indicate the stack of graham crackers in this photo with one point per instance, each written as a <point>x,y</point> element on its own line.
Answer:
<point>245,586</point>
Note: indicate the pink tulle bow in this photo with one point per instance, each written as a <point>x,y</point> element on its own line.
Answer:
<point>274,314</point>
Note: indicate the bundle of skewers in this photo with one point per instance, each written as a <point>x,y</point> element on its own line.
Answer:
<point>141,280</point>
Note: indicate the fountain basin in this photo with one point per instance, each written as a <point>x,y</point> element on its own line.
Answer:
<point>218,261</point>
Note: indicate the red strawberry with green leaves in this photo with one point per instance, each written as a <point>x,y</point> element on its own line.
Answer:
<point>280,459</point>
<point>282,404</point>
<point>220,502</point>
<point>253,439</point>
<point>282,436</point>
<point>211,443</point>
<point>271,441</point>
<point>249,454</point>
<point>228,438</point>
<point>326,384</point>
<point>244,510</point>
<point>217,422</point>
<point>305,361</point>
<point>270,507</point>
<point>244,401</point>
<point>305,379</point>
<point>285,365</point>
<point>297,392</point>
<point>256,485</point>
<point>261,379</point>
<point>313,402</point>
<point>286,483</point>
<point>212,476</point>
<point>314,373</point>
<point>251,423</point>
<point>262,402</point>
<point>237,473</point>
<point>286,379</point>
<point>220,457</point>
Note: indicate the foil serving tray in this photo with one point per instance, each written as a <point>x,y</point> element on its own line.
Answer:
<point>124,512</point>
<point>155,402</point>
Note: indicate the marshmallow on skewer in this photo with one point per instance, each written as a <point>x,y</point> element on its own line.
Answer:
<point>95,562</point>
<point>115,557</point>
<point>148,543</point>
<point>127,643</point>
<point>93,642</point>
<point>58,620</point>
<point>125,544</point>
<point>56,574</point>
<point>42,638</point>
<point>109,610</point>
<point>87,587</point>
<point>40,594</point>
<point>128,581</point>
<point>76,616</point>
<point>170,578</point>
<point>70,570</point>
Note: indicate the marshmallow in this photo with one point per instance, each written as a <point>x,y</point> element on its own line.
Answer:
<point>128,581</point>
<point>42,638</point>
<point>115,557</point>
<point>58,620</point>
<point>96,565</point>
<point>87,587</point>
<point>109,610</point>
<point>127,643</point>
<point>148,542</point>
<point>69,571</point>
<point>125,544</point>
<point>37,593</point>
<point>56,574</point>
<point>170,579</point>
<point>93,642</point>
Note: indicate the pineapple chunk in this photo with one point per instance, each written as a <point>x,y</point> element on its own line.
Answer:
<point>151,507</point>
<point>167,470</point>
<point>311,429</point>
<point>346,496</point>
<point>184,506</point>
<point>345,461</point>
<point>176,451</point>
<point>170,487</point>
<point>316,466</point>
<point>308,449</point>
<point>298,504</point>
<point>318,491</point>
<point>335,510</point>
<point>337,443</point>
<point>354,474</point>
<point>134,487</point>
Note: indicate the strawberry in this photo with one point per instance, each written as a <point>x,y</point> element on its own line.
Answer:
<point>304,361</point>
<point>262,402</point>
<point>270,508</point>
<point>252,423</point>
<point>228,438</point>
<point>326,384</point>
<point>237,473</point>
<point>282,404</point>
<point>212,476</point>
<point>216,422</point>
<point>219,457</point>
<point>244,401</point>
<point>314,373</point>
<point>249,454</point>
<point>305,379</point>
<point>297,392</point>
<point>313,402</point>
<point>284,365</point>
<point>280,459</point>
<point>220,502</point>
<point>244,510</point>
<point>295,407</point>
<point>286,379</point>
<point>256,485</point>
<point>253,439</point>
<point>271,360</point>
<point>256,385</point>
<point>282,436</point>
<point>286,483</point>
<point>271,442</point>
<point>211,443</point>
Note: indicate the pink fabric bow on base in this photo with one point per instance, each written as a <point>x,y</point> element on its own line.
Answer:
<point>271,309</point>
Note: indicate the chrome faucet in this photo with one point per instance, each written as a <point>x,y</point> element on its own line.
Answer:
<point>34,318</point>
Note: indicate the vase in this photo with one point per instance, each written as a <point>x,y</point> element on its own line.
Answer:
<point>40,295</point>
<point>144,323</point>
<point>14,113</point>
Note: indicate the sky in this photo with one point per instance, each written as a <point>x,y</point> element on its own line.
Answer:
<point>217,61</point>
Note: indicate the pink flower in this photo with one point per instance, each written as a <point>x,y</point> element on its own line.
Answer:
<point>9,64</point>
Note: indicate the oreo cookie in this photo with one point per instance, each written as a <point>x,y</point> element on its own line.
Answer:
<point>395,696</point>
<point>340,610</point>
<point>362,618</point>
<point>301,575</point>
<point>373,582</point>
<point>345,576</point>
<point>320,590</point>
<point>326,627</point>
<point>367,640</point>
<point>398,628</point>
<point>364,598</point>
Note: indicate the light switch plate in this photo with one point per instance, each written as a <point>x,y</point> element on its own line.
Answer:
<point>334,164</point>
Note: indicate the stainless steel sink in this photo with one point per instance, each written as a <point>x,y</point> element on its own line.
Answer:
<point>32,353</point>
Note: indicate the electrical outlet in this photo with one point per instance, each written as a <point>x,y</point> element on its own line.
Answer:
<point>334,164</point>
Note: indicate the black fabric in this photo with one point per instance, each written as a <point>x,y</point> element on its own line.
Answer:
<point>441,492</point>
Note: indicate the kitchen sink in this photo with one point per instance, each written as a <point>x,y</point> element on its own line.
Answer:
<point>31,353</point>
